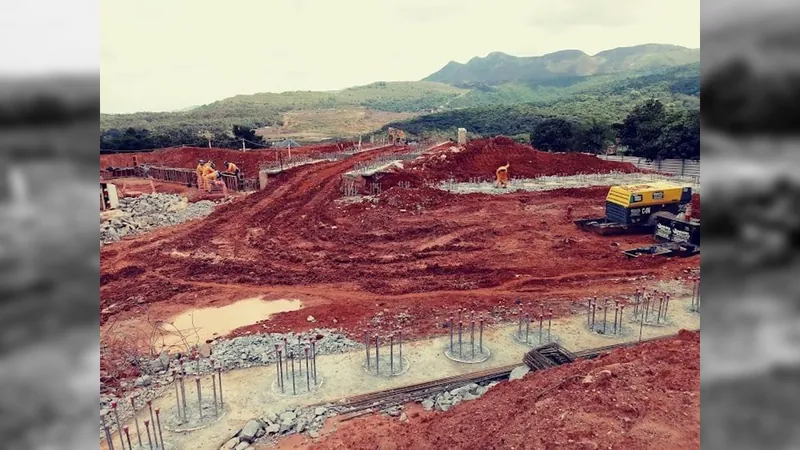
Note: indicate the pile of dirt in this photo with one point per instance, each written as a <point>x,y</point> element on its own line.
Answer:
<point>631,398</point>
<point>480,159</point>
<point>186,157</point>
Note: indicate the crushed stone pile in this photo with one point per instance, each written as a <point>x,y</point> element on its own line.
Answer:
<point>271,426</point>
<point>446,400</point>
<point>150,211</point>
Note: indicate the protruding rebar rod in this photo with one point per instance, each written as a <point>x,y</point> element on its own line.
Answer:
<point>621,312</point>
<point>160,434</point>
<point>183,395</point>
<point>377,359</point>
<point>451,334</point>
<point>177,404</point>
<point>646,308</point>
<point>199,397</point>
<point>541,331</point>
<point>519,329</point>
<point>527,328</point>
<point>472,337</point>
<point>400,347</point>
<point>119,425</point>
<point>286,355</point>
<point>214,387</point>
<point>460,332</point>
<point>300,350</point>
<point>147,427</point>
<point>280,371</point>
<point>616,316</point>
<point>391,355</point>
<point>641,326</point>
<point>635,302</point>
<point>127,437</point>
<point>136,418</point>
<point>605,315</point>
<point>549,325</point>
<point>594,313</point>
<point>308,371</point>
<point>666,306</point>
<point>219,378</point>
<point>480,337</point>
<point>294,385</point>
<point>694,292</point>
<point>589,314</point>
<point>314,361</point>
<point>150,407</point>
<point>108,433</point>
<point>366,345</point>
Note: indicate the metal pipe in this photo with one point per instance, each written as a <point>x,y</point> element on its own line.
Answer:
<point>136,418</point>
<point>199,397</point>
<point>119,426</point>
<point>158,422</point>
<point>127,437</point>
<point>108,433</point>
<point>150,407</point>
<point>147,427</point>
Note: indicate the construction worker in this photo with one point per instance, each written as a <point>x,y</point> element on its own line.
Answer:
<point>207,168</point>
<point>200,164</point>
<point>210,178</point>
<point>502,176</point>
<point>231,168</point>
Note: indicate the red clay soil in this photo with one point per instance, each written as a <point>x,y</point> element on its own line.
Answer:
<point>644,397</point>
<point>408,260</point>
<point>480,158</point>
<point>249,162</point>
<point>696,206</point>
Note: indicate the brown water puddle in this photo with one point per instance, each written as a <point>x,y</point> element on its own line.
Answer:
<point>198,325</point>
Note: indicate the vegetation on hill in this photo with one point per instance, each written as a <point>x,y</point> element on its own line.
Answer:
<point>510,107</point>
<point>499,67</point>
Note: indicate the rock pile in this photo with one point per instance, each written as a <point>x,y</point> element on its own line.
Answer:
<point>446,400</point>
<point>150,211</point>
<point>271,426</point>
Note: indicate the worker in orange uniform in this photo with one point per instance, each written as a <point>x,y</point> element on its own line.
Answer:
<point>200,164</point>
<point>208,168</point>
<point>502,176</point>
<point>231,168</point>
<point>210,178</point>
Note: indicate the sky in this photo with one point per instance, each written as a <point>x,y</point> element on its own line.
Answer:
<point>162,55</point>
<point>42,37</point>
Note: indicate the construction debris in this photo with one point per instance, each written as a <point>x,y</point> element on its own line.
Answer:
<point>150,211</point>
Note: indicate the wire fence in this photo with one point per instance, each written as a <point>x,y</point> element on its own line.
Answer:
<point>680,167</point>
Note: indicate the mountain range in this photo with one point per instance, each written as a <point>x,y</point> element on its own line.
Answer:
<point>559,83</point>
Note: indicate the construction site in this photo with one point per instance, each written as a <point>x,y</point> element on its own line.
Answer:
<point>466,294</point>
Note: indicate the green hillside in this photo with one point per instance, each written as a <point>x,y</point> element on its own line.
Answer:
<point>619,79</point>
<point>499,67</point>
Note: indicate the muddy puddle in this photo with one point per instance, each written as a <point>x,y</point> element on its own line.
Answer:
<point>198,325</point>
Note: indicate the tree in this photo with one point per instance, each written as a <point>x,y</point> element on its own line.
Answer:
<point>248,134</point>
<point>593,137</point>
<point>642,129</point>
<point>554,134</point>
<point>207,135</point>
<point>681,137</point>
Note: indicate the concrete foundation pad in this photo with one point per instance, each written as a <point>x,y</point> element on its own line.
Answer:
<point>400,367</point>
<point>465,356</point>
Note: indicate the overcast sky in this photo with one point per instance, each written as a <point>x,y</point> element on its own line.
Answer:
<point>46,36</point>
<point>161,55</point>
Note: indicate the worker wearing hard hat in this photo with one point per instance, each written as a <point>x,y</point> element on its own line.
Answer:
<point>231,168</point>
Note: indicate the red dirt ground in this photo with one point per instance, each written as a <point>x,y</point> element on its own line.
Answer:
<point>644,397</point>
<point>186,157</point>
<point>413,257</point>
<point>482,157</point>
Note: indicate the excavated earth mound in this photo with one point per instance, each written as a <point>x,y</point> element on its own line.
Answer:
<point>643,397</point>
<point>480,159</point>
